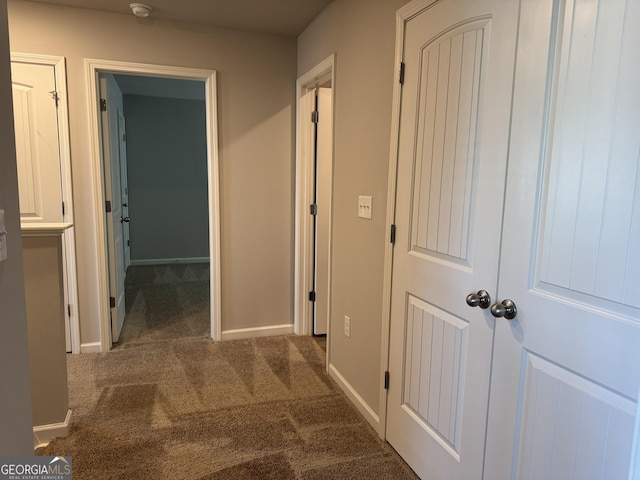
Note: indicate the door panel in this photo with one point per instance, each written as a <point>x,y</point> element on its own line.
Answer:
<point>435,364</point>
<point>572,427</point>
<point>124,188</point>
<point>324,167</point>
<point>37,153</point>
<point>453,139</point>
<point>447,125</point>
<point>587,224</point>
<point>565,370</point>
<point>110,91</point>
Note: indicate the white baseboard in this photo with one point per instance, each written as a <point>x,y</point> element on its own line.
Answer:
<point>362,406</point>
<point>43,434</point>
<point>94,347</point>
<point>257,332</point>
<point>169,261</point>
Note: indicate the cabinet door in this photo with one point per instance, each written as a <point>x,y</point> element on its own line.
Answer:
<point>454,127</point>
<point>566,369</point>
<point>37,149</point>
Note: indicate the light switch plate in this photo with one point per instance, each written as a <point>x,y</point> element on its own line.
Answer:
<point>365,206</point>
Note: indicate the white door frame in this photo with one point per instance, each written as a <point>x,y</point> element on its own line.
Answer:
<point>94,67</point>
<point>402,16</point>
<point>68,240</point>
<point>304,194</point>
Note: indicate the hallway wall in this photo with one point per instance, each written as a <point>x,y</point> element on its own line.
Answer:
<point>167,174</point>
<point>256,125</point>
<point>362,34</point>
<point>16,426</point>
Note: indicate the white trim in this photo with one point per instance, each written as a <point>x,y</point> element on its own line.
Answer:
<point>252,332</point>
<point>92,68</point>
<point>169,261</point>
<point>367,412</point>
<point>402,16</point>
<point>93,347</point>
<point>69,248</point>
<point>71,292</point>
<point>43,434</point>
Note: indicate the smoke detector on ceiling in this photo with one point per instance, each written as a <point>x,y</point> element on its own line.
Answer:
<point>140,9</point>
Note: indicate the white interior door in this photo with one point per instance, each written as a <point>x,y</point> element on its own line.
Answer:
<point>124,189</point>
<point>324,167</point>
<point>566,370</point>
<point>37,149</point>
<point>110,92</point>
<point>454,126</point>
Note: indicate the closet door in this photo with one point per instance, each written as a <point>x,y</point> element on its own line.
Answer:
<point>566,368</point>
<point>37,143</point>
<point>453,143</point>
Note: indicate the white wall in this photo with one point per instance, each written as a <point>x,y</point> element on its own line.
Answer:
<point>167,165</point>
<point>16,434</point>
<point>256,82</point>
<point>362,34</point>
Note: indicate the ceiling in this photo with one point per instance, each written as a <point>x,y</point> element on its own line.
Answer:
<point>284,17</point>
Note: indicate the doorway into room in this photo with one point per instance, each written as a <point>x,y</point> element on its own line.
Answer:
<point>141,192</point>
<point>314,168</point>
<point>161,155</point>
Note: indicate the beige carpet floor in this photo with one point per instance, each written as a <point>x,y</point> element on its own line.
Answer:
<point>197,409</point>
<point>165,302</point>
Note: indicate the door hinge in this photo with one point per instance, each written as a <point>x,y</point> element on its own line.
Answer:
<point>69,310</point>
<point>393,235</point>
<point>112,302</point>
<point>401,76</point>
<point>107,206</point>
<point>386,380</point>
<point>103,105</point>
<point>313,208</point>
<point>128,243</point>
<point>62,208</point>
<point>55,96</point>
<point>312,296</point>
<point>315,116</point>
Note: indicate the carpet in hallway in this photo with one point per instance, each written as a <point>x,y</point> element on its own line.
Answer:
<point>196,409</point>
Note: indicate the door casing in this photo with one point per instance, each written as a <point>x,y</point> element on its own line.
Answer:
<point>93,67</point>
<point>303,316</point>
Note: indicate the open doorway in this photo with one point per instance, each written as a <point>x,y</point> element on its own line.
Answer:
<point>154,139</point>
<point>111,228</point>
<point>314,167</point>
